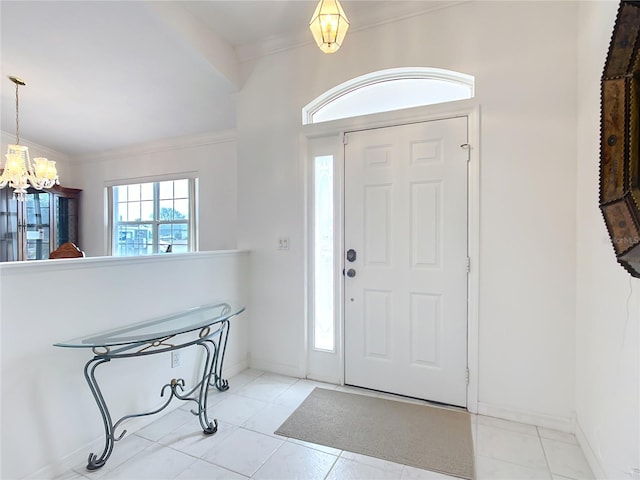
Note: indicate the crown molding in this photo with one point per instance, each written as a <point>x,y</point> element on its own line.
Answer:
<point>271,45</point>
<point>389,14</point>
<point>177,143</point>
<point>39,150</point>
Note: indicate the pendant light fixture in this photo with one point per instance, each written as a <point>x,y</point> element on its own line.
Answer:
<point>19,172</point>
<point>329,25</point>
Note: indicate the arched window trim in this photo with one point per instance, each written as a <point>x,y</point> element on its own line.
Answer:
<point>392,74</point>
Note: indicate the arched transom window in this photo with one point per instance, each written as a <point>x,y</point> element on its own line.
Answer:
<point>388,90</point>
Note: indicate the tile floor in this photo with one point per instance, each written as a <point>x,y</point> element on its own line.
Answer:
<point>245,447</point>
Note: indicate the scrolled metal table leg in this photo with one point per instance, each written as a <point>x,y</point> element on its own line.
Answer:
<point>220,383</point>
<point>94,461</point>
<point>208,427</point>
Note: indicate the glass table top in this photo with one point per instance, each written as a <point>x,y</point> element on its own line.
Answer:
<point>158,328</point>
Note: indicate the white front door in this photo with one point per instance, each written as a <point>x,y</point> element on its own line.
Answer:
<point>405,217</point>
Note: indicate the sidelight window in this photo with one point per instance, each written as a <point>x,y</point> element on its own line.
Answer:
<point>323,261</point>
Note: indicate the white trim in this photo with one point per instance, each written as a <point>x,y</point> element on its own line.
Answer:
<point>151,179</point>
<point>303,156</point>
<point>177,143</point>
<point>339,235</point>
<point>32,266</point>
<point>392,74</point>
<point>36,149</point>
<point>108,220</point>
<point>589,454</point>
<point>287,370</point>
<point>194,207</point>
<point>323,379</point>
<point>464,108</point>
<point>322,364</point>
<point>438,111</point>
<point>563,424</point>
<point>473,278</point>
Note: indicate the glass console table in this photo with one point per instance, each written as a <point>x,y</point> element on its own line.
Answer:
<point>207,326</point>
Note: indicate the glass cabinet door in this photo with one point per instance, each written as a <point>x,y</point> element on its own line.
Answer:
<point>38,224</point>
<point>65,219</point>
<point>8,227</point>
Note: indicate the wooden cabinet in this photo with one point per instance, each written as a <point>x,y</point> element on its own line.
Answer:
<point>30,230</point>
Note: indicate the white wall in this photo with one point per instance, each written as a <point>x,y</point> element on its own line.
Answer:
<point>48,414</point>
<point>212,156</point>
<point>608,299</point>
<point>524,58</point>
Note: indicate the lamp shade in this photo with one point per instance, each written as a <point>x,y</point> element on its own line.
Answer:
<point>17,158</point>
<point>45,169</point>
<point>329,25</point>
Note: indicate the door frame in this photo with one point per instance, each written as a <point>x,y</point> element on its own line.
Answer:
<point>336,130</point>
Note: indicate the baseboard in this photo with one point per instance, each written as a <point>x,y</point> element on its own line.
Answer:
<point>236,368</point>
<point>278,368</point>
<point>589,454</point>
<point>69,462</point>
<point>324,379</point>
<point>79,456</point>
<point>76,460</point>
<point>563,424</point>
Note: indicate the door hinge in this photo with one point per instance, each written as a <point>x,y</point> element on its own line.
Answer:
<point>345,140</point>
<point>467,375</point>
<point>467,147</point>
<point>468,264</point>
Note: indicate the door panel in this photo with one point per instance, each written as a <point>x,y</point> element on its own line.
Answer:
<point>426,232</point>
<point>377,324</point>
<point>406,218</point>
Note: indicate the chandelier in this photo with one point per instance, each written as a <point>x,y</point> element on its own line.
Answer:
<point>19,171</point>
<point>329,25</point>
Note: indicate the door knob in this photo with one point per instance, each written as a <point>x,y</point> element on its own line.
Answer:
<point>351,273</point>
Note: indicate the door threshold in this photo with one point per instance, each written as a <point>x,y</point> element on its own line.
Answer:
<point>407,398</point>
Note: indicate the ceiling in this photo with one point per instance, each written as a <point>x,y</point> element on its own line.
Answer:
<point>109,74</point>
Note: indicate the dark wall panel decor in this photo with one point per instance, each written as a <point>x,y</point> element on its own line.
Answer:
<point>620,138</point>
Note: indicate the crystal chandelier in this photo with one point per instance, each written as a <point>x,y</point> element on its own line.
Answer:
<point>329,25</point>
<point>19,171</point>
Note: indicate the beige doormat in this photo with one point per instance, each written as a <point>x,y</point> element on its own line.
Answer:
<point>422,436</point>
